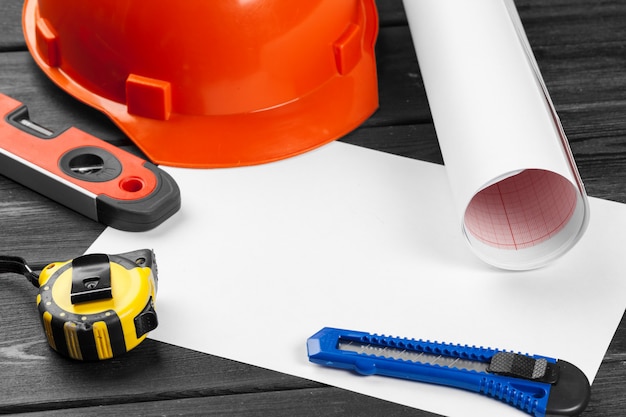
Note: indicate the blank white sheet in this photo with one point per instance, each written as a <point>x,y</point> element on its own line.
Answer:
<point>260,258</point>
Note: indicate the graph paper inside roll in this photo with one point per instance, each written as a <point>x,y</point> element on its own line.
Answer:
<point>526,219</point>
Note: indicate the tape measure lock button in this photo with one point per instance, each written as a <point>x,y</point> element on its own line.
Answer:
<point>146,321</point>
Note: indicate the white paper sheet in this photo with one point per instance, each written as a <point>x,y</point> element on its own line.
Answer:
<point>358,239</point>
<point>516,188</point>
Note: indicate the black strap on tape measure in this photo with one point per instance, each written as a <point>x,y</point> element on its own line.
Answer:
<point>17,265</point>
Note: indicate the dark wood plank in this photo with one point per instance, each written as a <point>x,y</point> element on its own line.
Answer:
<point>12,38</point>
<point>401,90</point>
<point>417,141</point>
<point>580,47</point>
<point>48,105</point>
<point>150,372</point>
<point>313,402</point>
<point>607,391</point>
<point>391,14</point>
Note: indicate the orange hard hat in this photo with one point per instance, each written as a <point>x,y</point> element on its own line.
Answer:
<point>200,83</point>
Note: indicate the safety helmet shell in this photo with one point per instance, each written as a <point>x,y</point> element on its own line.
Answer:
<point>199,83</point>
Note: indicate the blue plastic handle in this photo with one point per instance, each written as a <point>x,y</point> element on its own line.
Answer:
<point>512,383</point>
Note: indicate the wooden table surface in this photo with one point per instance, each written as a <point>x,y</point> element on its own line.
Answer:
<point>581,48</point>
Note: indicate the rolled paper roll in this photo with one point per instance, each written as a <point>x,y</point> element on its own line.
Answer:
<point>520,199</point>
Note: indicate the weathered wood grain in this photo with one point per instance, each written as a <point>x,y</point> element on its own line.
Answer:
<point>312,402</point>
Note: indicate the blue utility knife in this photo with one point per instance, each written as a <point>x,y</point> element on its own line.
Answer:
<point>538,385</point>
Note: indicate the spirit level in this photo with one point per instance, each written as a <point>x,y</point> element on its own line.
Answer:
<point>84,173</point>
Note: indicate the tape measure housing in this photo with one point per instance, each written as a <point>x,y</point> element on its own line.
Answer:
<point>92,323</point>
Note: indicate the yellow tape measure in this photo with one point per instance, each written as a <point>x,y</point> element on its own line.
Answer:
<point>98,306</point>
